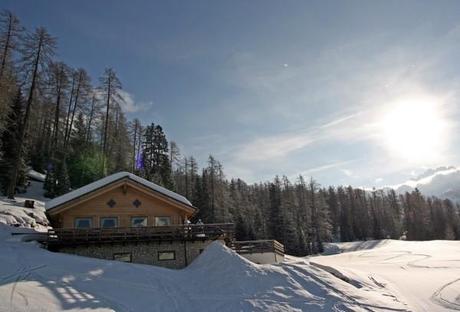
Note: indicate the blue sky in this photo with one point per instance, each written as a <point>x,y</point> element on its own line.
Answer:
<point>279,87</point>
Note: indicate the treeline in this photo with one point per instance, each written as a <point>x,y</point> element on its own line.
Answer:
<point>56,120</point>
<point>303,215</point>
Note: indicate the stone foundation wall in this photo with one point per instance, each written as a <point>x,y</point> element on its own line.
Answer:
<point>144,252</point>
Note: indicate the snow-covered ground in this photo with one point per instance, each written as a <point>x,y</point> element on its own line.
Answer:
<point>364,276</point>
<point>13,212</point>
<point>425,274</point>
<point>33,279</point>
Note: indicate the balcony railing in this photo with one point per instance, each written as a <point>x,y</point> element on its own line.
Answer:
<point>61,237</point>
<point>258,246</point>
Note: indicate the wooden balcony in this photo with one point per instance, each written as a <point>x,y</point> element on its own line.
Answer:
<point>69,237</point>
<point>258,246</point>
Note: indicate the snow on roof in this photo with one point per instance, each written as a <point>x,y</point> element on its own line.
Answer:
<point>110,179</point>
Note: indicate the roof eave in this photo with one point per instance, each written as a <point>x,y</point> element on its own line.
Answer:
<point>52,209</point>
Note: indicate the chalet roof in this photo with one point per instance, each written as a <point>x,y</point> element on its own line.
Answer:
<point>111,179</point>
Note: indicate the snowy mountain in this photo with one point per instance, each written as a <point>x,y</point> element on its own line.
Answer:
<point>443,182</point>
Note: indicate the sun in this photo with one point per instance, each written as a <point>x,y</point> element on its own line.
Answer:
<point>414,129</point>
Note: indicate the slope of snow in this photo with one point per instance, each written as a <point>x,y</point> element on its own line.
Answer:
<point>33,279</point>
<point>426,274</point>
<point>13,212</point>
<point>336,248</point>
<point>112,178</point>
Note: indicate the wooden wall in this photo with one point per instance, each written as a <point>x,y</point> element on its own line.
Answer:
<point>151,206</point>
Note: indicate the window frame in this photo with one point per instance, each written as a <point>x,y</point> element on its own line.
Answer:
<point>123,254</point>
<point>158,217</point>
<point>83,218</point>
<point>136,217</point>
<point>166,251</point>
<point>102,218</point>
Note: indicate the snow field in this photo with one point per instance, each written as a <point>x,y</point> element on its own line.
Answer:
<point>426,274</point>
<point>33,279</point>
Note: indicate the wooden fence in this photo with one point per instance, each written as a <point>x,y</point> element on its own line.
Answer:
<point>258,246</point>
<point>149,233</point>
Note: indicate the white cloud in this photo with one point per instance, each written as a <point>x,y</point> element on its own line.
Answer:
<point>278,146</point>
<point>267,148</point>
<point>129,105</point>
<point>326,167</point>
<point>347,172</point>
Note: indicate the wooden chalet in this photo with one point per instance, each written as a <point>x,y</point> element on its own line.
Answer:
<point>125,217</point>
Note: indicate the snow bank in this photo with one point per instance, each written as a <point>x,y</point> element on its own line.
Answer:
<point>13,212</point>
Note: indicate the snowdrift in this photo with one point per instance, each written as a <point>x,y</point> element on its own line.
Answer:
<point>34,279</point>
<point>13,212</point>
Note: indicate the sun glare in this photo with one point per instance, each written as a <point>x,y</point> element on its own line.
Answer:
<point>415,130</point>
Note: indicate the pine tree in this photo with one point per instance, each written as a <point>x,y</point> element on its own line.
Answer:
<point>37,50</point>
<point>62,177</point>
<point>334,208</point>
<point>10,143</point>
<point>157,166</point>
<point>110,88</point>
<point>276,217</point>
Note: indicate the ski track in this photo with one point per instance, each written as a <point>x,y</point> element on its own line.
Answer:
<point>446,296</point>
<point>438,298</point>
<point>299,271</point>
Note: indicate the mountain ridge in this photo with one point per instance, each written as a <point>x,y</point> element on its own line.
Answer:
<point>442,182</point>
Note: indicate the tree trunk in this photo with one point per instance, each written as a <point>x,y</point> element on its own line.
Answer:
<point>134,147</point>
<point>106,127</point>
<point>90,120</point>
<point>7,44</point>
<point>70,106</point>
<point>15,170</point>
<point>56,121</point>
<point>69,130</point>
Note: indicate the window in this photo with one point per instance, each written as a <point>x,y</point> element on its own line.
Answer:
<point>108,223</point>
<point>166,255</point>
<point>162,221</point>
<point>138,221</point>
<point>123,256</point>
<point>83,223</point>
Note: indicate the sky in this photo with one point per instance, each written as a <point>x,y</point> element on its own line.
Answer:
<point>360,93</point>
